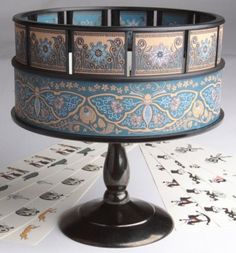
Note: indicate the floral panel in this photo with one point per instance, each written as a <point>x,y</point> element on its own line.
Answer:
<point>50,18</point>
<point>100,108</point>
<point>172,18</point>
<point>202,49</point>
<point>220,42</point>
<point>133,18</point>
<point>99,53</point>
<point>20,33</point>
<point>87,18</point>
<point>48,49</point>
<point>158,53</point>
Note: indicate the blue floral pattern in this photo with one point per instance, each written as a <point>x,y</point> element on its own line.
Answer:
<point>202,49</point>
<point>133,18</point>
<point>48,49</point>
<point>154,56</point>
<point>103,55</point>
<point>118,108</point>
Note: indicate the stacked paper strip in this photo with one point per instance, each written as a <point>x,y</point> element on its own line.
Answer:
<point>197,185</point>
<point>36,190</point>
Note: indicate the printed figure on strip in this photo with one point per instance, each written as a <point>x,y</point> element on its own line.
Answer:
<point>30,176</point>
<point>85,151</point>
<point>69,147</point>
<point>171,184</point>
<point>25,233</point>
<point>44,160</point>
<point>194,166</point>
<point>44,182</point>
<point>231,213</point>
<point>13,173</point>
<point>42,216</point>
<point>3,188</point>
<point>217,158</point>
<point>62,151</point>
<point>17,196</point>
<point>91,167</point>
<point>178,171</point>
<point>217,180</point>
<point>197,218</point>
<point>160,167</point>
<point>72,181</point>
<point>33,163</point>
<point>51,195</point>
<point>164,157</point>
<point>5,228</point>
<point>61,162</point>
<point>183,201</point>
<point>189,148</point>
<point>25,211</point>
<point>195,178</point>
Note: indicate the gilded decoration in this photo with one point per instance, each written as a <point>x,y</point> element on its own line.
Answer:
<point>20,35</point>
<point>158,53</point>
<point>48,49</point>
<point>99,53</point>
<point>202,49</point>
<point>220,43</point>
<point>118,108</point>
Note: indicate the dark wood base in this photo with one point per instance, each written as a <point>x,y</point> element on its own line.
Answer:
<point>132,224</point>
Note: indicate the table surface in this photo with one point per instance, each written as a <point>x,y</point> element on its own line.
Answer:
<point>16,143</point>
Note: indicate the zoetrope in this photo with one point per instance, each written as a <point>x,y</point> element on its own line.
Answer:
<point>118,74</point>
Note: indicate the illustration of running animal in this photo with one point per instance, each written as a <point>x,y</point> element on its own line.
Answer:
<point>42,216</point>
<point>25,233</point>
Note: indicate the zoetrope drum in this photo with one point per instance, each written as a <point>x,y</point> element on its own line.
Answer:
<point>116,75</point>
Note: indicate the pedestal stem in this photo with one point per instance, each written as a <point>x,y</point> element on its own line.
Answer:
<point>116,175</point>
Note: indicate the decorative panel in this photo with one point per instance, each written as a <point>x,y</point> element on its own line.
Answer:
<point>172,18</point>
<point>133,18</point>
<point>220,42</point>
<point>48,49</point>
<point>101,108</point>
<point>99,53</point>
<point>158,53</point>
<point>21,40</point>
<point>50,18</point>
<point>87,18</point>
<point>202,49</point>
